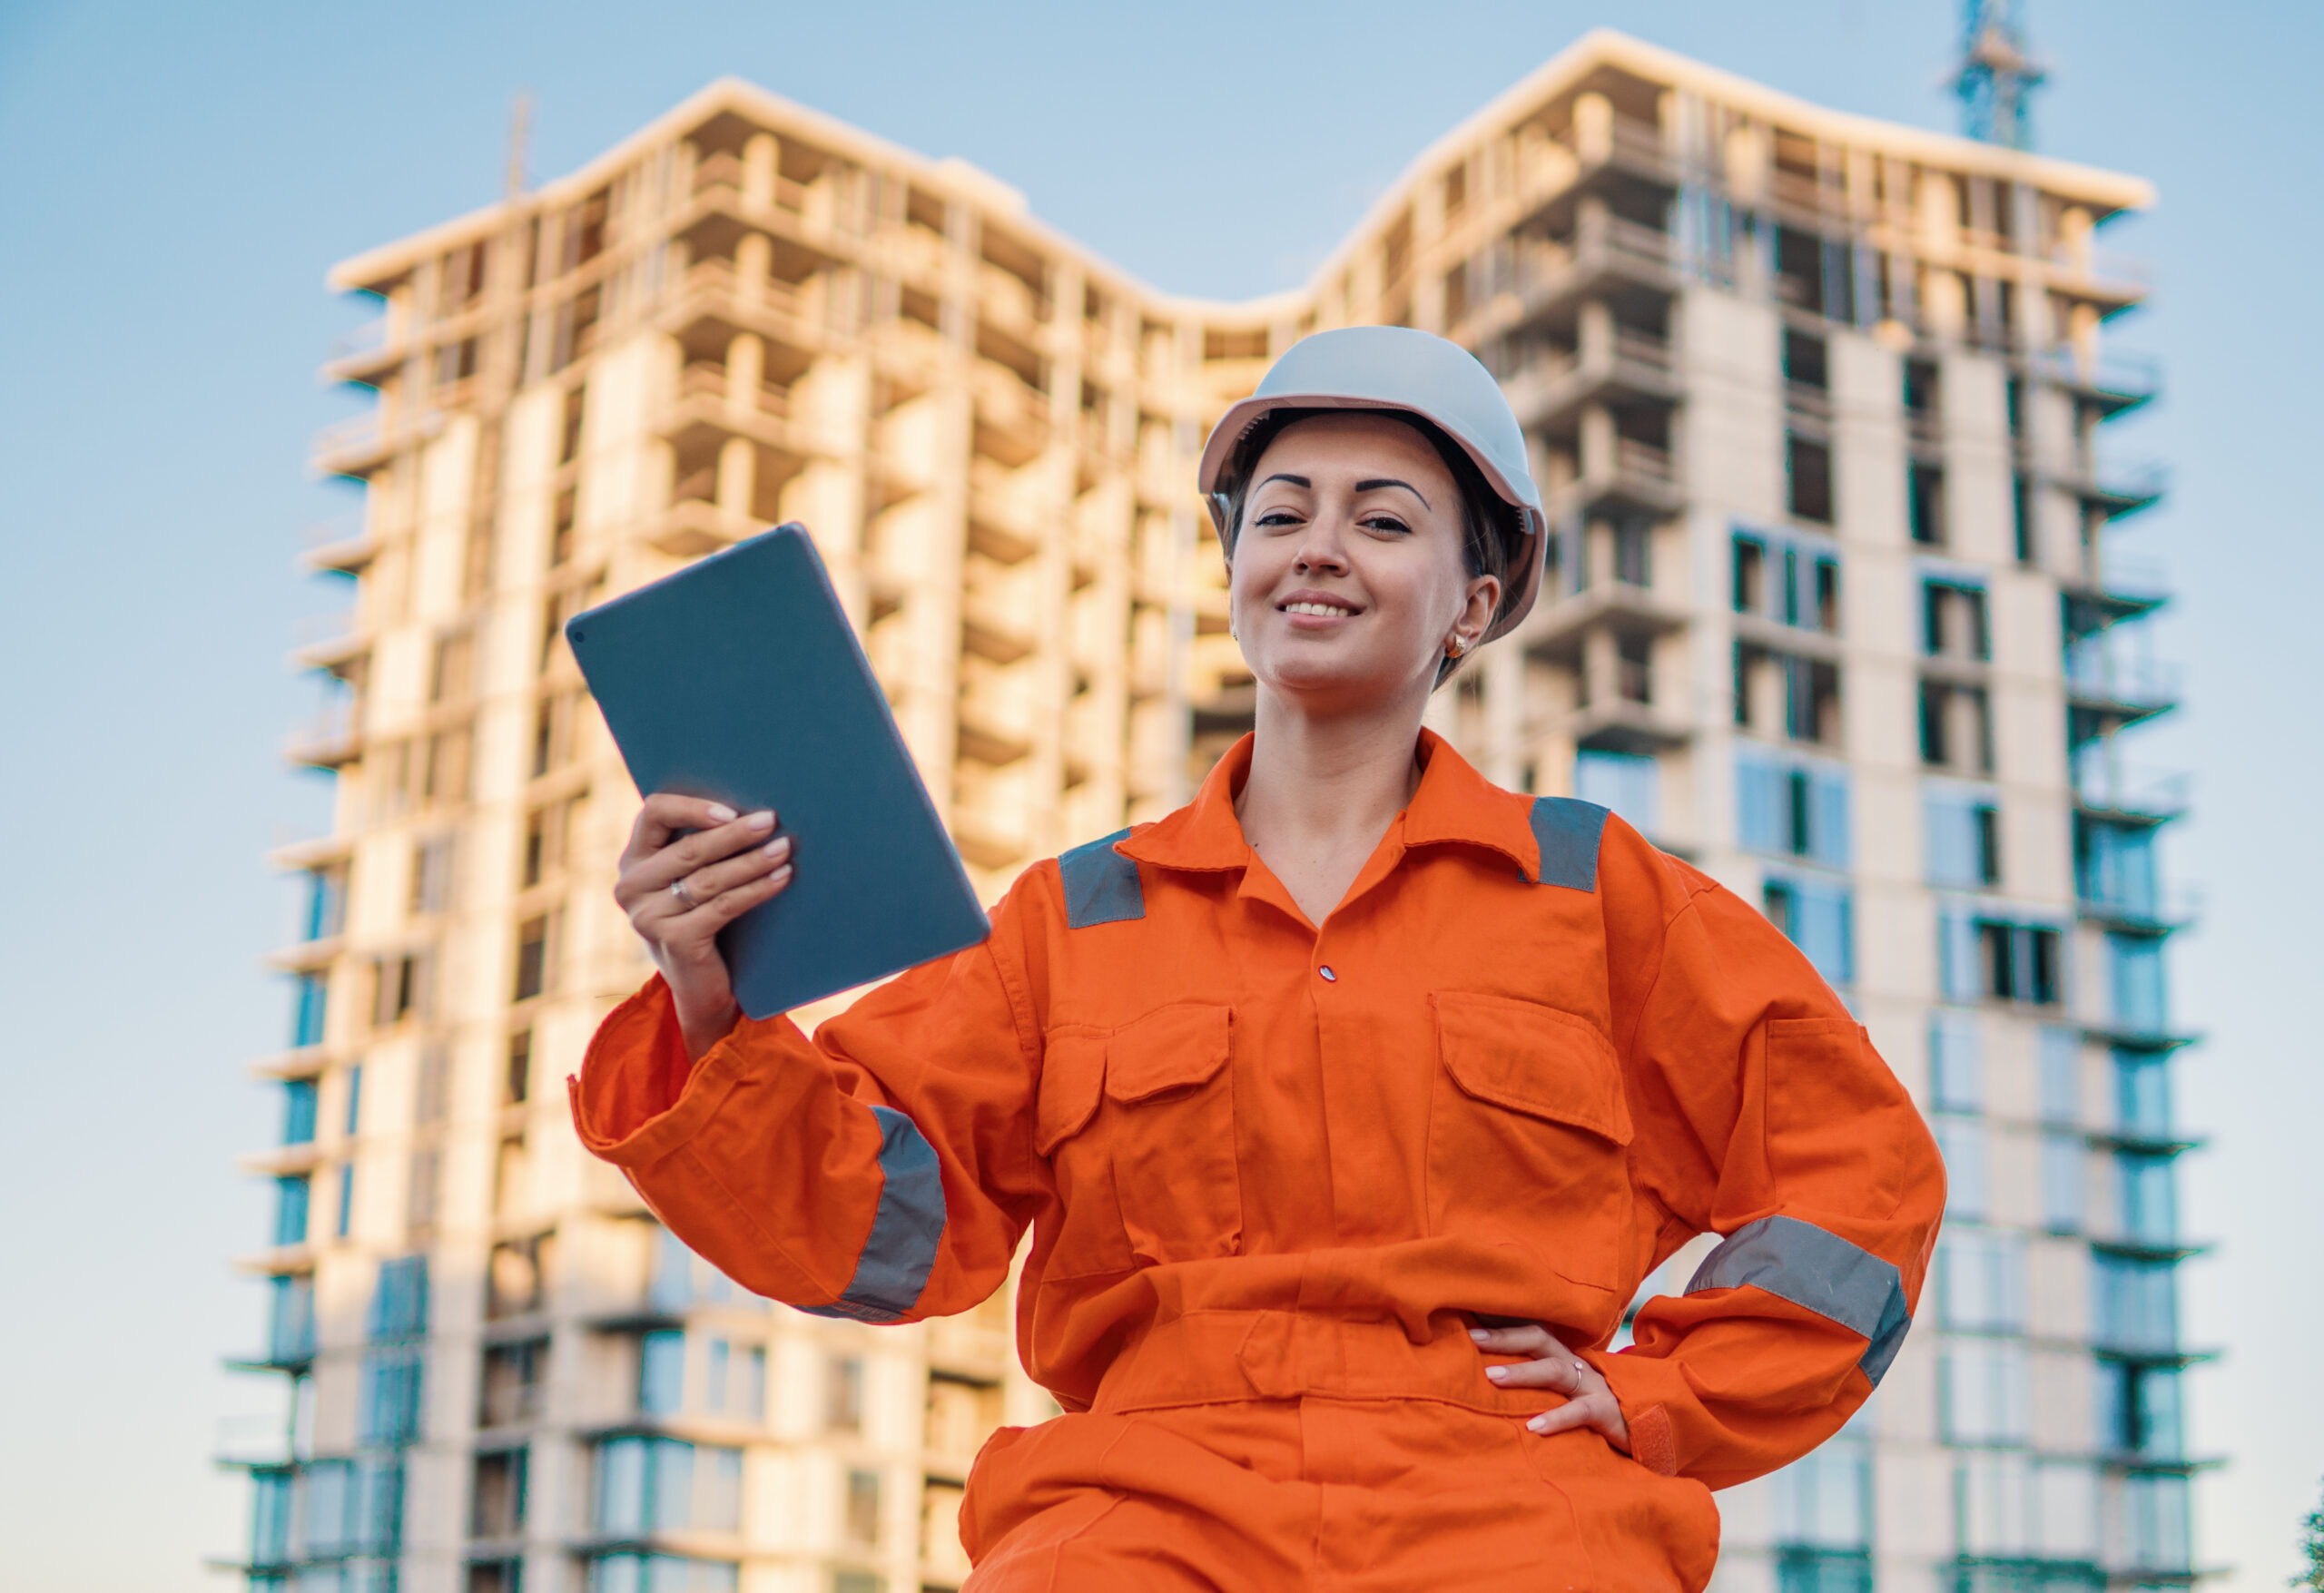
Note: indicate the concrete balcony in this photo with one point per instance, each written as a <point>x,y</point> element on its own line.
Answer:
<point>279,1259</point>
<point>298,1062</point>
<point>714,302</point>
<point>330,740</point>
<point>1631,367</point>
<point>999,718</point>
<point>1632,475</point>
<point>1005,302</point>
<point>2113,383</point>
<point>2104,789</point>
<point>990,631</point>
<point>357,447</point>
<point>2134,1034</point>
<point>1619,147</point>
<point>1554,630</point>
<point>2104,696</point>
<point>340,546</point>
<point>1625,724</point>
<point>695,524</point>
<point>1012,418</point>
<point>2155,1242</point>
<point>2161,912</point>
<point>2104,278</point>
<point>2108,596</point>
<point>1000,527</point>
<point>729,200</point>
<point>281,1161</point>
<point>306,955</point>
<point>1609,258</point>
<point>330,642</point>
<point>2116,493</point>
<point>707,409</point>
<point>365,354</point>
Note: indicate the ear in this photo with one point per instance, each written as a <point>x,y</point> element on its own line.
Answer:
<point>1484,601</point>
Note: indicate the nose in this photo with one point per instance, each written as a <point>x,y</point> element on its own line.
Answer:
<point>1323,545</point>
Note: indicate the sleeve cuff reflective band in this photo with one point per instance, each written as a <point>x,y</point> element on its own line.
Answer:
<point>1821,1272</point>
<point>896,1258</point>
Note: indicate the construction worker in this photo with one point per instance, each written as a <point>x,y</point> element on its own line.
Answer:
<point>1348,1106</point>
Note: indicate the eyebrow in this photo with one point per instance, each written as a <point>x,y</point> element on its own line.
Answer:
<point>1373,484</point>
<point>1380,481</point>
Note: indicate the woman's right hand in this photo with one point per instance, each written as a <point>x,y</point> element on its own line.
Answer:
<point>727,867</point>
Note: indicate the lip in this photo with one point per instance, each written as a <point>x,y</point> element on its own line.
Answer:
<point>1316,622</point>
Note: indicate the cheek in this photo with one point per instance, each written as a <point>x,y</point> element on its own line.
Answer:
<point>1255,568</point>
<point>1410,593</point>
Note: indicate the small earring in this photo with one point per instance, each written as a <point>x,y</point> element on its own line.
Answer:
<point>1455,647</point>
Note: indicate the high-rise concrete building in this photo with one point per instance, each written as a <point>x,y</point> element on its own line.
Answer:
<point>1833,610</point>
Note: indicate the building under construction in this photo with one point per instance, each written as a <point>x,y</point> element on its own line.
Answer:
<point>1831,610</point>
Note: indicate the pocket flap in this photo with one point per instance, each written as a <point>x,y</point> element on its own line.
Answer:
<point>1533,1059</point>
<point>1172,1048</point>
<point>1073,1072</point>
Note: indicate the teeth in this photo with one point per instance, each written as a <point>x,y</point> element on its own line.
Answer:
<point>1326,609</point>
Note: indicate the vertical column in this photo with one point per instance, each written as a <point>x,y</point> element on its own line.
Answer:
<point>1593,129</point>
<point>753,259</point>
<point>745,373</point>
<point>1056,634</point>
<point>1503,669</point>
<point>760,160</point>
<point>1594,336</point>
<point>738,468</point>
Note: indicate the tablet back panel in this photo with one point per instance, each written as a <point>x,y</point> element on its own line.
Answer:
<point>739,679</point>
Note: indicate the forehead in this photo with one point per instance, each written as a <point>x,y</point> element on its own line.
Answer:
<point>1352,443</point>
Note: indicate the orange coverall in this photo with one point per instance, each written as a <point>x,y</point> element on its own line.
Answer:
<point>1276,1171</point>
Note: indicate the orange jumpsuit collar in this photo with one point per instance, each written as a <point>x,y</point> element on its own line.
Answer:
<point>1454,804</point>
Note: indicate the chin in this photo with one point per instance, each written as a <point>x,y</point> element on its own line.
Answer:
<point>1329,681</point>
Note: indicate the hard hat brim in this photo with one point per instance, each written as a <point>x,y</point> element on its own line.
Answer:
<point>1525,570</point>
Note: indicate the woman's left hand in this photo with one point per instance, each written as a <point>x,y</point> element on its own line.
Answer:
<point>1588,1399</point>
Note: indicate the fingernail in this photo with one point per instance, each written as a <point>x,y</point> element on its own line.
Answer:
<point>1496,1372</point>
<point>781,874</point>
<point>762,821</point>
<point>1535,1425</point>
<point>778,847</point>
<point>722,812</point>
<point>1478,1335</point>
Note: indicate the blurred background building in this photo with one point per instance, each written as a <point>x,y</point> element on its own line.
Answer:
<point>1832,610</point>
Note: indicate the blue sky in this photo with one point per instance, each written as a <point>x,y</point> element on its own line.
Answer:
<point>174,180</point>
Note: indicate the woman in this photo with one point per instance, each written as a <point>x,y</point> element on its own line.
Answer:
<point>1348,1106</point>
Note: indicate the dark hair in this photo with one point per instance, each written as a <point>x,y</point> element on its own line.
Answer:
<point>1493,530</point>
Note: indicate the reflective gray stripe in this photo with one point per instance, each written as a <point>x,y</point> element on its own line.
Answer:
<point>1568,832</point>
<point>1100,884</point>
<point>1808,1266</point>
<point>895,1266</point>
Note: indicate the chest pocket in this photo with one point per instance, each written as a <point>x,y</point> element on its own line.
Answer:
<point>1138,1123</point>
<point>1527,1127</point>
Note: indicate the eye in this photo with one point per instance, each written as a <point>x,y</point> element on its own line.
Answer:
<point>1384,522</point>
<point>1277,518</point>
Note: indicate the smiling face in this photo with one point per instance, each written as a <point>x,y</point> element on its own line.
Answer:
<point>1347,580</point>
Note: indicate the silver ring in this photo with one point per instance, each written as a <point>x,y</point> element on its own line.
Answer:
<point>686,897</point>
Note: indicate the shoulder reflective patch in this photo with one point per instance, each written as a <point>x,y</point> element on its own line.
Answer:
<point>1100,884</point>
<point>896,1258</point>
<point>1809,1266</point>
<point>1569,831</point>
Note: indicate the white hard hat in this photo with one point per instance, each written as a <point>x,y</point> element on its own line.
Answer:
<point>1400,368</point>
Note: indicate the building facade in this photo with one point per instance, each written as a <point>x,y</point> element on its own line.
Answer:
<point>1833,610</point>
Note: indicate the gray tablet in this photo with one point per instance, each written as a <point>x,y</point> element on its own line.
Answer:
<point>739,679</point>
